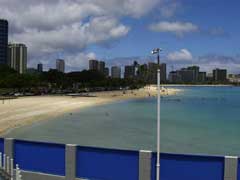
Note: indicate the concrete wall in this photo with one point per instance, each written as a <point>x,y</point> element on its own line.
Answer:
<point>48,161</point>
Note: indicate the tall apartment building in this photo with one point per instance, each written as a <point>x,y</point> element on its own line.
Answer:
<point>202,77</point>
<point>186,75</point>
<point>60,65</point>
<point>17,57</point>
<point>129,72</point>
<point>195,73</point>
<point>116,72</point>
<point>163,72</point>
<point>152,72</point>
<point>173,77</point>
<point>93,65</point>
<point>220,75</point>
<point>3,41</point>
<point>40,67</point>
<point>97,65</point>
<point>106,71</point>
<point>101,66</point>
<point>142,72</point>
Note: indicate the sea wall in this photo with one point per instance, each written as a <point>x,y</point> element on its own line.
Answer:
<point>51,161</point>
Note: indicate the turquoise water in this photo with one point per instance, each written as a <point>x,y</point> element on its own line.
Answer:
<point>199,120</point>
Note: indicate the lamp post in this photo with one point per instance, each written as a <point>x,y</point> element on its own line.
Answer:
<point>157,51</point>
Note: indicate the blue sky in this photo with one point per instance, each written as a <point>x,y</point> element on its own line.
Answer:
<point>207,15</point>
<point>201,32</point>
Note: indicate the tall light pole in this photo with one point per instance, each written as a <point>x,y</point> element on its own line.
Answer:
<point>157,51</point>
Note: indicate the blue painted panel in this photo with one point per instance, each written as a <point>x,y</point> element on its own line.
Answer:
<point>2,145</point>
<point>106,164</point>
<point>238,171</point>
<point>40,157</point>
<point>189,167</point>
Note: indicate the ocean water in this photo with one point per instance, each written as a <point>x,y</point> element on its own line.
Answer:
<point>199,120</point>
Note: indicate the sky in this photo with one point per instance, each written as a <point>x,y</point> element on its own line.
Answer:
<point>199,32</point>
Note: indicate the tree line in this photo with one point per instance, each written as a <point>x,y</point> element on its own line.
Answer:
<point>54,79</point>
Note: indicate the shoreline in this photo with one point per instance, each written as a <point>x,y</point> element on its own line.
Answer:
<point>25,111</point>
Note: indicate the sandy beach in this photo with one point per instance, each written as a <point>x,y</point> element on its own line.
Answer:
<point>26,110</point>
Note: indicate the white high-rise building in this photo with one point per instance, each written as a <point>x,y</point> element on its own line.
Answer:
<point>60,65</point>
<point>17,57</point>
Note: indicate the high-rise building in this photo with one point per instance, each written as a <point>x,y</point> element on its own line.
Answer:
<point>202,76</point>
<point>101,66</point>
<point>17,57</point>
<point>3,41</point>
<point>129,72</point>
<point>186,75</point>
<point>60,65</point>
<point>189,75</point>
<point>195,71</point>
<point>163,72</point>
<point>106,71</point>
<point>173,77</point>
<point>142,72</point>
<point>40,67</point>
<point>93,65</point>
<point>220,75</point>
<point>116,72</point>
<point>97,65</point>
<point>152,72</point>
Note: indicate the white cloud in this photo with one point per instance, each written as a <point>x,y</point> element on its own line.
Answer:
<point>170,7</point>
<point>79,60</point>
<point>177,28</point>
<point>182,55</point>
<point>74,37</point>
<point>69,26</point>
<point>45,14</point>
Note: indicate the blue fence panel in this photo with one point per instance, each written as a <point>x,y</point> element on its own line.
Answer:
<point>40,157</point>
<point>189,167</point>
<point>1,145</point>
<point>106,164</point>
<point>238,170</point>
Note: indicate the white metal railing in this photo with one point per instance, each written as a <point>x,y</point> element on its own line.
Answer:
<point>7,171</point>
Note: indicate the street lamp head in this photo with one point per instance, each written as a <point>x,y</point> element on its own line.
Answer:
<point>156,50</point>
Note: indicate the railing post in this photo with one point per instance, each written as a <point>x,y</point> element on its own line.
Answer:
<point>145,158</point>
<point>17,172</point>
<point>4,162</point>
<point>8,147</point>
<point>12,169</point>
<point>70,156</point>
<point>230,168</point>
<point>8,165</point>
<point>1,160</point>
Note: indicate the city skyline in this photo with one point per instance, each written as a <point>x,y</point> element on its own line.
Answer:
<point>120,31</point>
